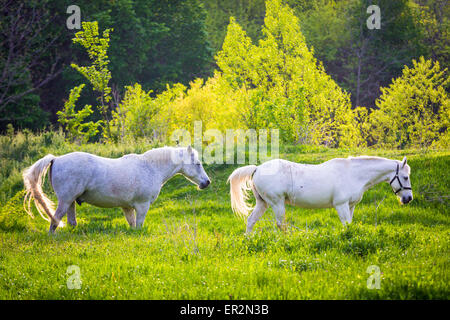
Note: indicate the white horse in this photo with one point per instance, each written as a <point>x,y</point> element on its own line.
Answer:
<point>338,183</point>
<point>131,182</point>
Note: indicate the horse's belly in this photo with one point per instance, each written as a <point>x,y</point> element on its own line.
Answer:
<point>102,200</point>
<point>310,200</point>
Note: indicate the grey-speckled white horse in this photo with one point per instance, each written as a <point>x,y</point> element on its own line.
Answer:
<point>131,182</point>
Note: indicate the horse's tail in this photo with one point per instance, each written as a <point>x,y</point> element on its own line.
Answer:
<point>240,184</point>
<point>33,179</point>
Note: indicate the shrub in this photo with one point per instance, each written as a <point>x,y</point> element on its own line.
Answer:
<point>134,115</point>
<point>72,120</point>
<point>414,110</point>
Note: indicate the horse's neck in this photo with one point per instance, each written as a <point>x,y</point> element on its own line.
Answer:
<point>168,170</point>
<point>163,165</point>
<point>374,171</point>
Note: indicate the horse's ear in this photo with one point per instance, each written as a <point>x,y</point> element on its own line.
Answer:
<point>189,149</point>
<point>403,162</point>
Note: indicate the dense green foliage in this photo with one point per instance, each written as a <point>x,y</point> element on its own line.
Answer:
<point>318,85</point>
<point>415,108</point>
<point>358,59</point>
<point>278,83</point>
<point>193,247</point>
<point>134,116</point>
<point>154,43</point>
<point>292,91</point>
<point>74,121</point>
<point>28,61</point>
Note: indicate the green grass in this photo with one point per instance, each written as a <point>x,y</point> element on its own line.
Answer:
<point>193,247</point>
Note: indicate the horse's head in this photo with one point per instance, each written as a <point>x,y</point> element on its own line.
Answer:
<point>400,182</point>
<point>192,168</point>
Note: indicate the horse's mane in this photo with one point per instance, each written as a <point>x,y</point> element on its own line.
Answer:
<point>366,158</point>
<point>159,154</point>
<point>162,155</point>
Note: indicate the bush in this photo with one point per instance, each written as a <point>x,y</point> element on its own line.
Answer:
<point>414,111</point>
<point>72,120</point>
<point>133,118</point>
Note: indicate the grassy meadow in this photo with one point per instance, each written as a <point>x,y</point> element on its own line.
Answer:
<point>193,247</point>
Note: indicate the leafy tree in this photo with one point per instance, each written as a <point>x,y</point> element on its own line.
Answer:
<point>154,42</point>
<point>433,18</point>
<point>210,101</point>
<point>415,109</point>
<point>288,85</point>
<point>363,60</point>
<point>133,118</point>
<point>248,13</point>
<point>73,121</point>
<point>97,73</point>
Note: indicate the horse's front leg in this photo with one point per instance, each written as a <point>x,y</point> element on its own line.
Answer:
<point>141,212</point>
<point>279,210</point>
<point>130,216</point>
<point>344,213</point>
<point>352,208</point>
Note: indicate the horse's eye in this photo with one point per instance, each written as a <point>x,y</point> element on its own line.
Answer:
<point>406,178</point>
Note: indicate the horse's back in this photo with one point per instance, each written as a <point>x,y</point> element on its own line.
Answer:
<point>84,157</point>
<point>305,185</point>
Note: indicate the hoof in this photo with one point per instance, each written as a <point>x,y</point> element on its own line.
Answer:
<point>72,223</point>
<point>52,229</point>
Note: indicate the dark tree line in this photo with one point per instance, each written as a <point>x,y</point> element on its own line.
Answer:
<point>153,43</point>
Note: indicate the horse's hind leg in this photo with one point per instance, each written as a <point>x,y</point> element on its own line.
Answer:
<point>257,212</point>
<point>71,215</point>
<point>130,216</point>
<point>62,209</point>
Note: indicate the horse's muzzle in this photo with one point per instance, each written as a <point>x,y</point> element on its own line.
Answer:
<point>203,185</point>
<point>406,199</point>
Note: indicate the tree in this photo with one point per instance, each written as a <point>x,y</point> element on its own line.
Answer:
<point>286,83</point>
<point>433,18</point>
<point>28,61</point>
<point>97,73</point>
<point>133,117</point>
<point>415,109</point>
<point>74,121</point>
<point>154,42</point>
<point>248,13</point>
<point>362,60</point>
